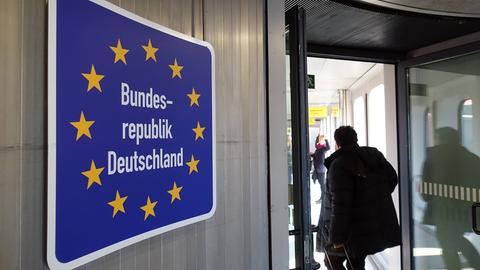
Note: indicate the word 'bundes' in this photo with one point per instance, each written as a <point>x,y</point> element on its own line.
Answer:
<point>143,99</point>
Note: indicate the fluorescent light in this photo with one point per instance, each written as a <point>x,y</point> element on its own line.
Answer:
<point>420,252</point>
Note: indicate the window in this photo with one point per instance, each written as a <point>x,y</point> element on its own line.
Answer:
<point>429,129</point>
<point>466,123</point>
<point>359,120</point>
<point>377,136</point>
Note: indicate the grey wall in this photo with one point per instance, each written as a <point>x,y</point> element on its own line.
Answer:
<point>277,110</point>
<point>237,236</point>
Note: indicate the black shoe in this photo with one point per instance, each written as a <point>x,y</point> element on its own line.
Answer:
<point>315,265</point>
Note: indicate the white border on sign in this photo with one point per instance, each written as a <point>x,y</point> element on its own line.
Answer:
<point>53,263</point>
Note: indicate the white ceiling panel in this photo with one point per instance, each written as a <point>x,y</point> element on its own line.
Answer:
<point>332,74</point>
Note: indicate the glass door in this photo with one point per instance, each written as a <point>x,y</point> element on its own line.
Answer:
<point>443,101</point>
<point>300,235</point>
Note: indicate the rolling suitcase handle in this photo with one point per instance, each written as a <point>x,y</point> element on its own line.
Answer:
<point>348,257</point>
<point>328,256</point>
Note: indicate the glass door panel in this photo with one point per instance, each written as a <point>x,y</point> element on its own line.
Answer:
<point>444,131</point>
<point>293,237</point>
<point>297,141</point>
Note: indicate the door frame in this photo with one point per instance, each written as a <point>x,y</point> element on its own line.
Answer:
<point>295,21</point>
<point>434,53</point>
<point>402,61</point>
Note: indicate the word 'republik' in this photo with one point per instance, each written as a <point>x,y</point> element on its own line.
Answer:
<point>158,129</point>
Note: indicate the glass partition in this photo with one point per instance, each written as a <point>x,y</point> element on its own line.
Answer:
<point>291,217</point>
<point>444,162</point>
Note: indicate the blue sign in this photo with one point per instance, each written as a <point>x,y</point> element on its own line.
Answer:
<point>131,131</point>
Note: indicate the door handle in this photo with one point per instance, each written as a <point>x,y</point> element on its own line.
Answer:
<point>474,218</point>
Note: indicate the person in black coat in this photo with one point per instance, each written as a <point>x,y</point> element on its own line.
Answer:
<point>358,214</point>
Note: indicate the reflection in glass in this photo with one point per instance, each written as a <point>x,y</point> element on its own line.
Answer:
<point>428,128</point>
<point>466,123</point>
<point>448,172</point>
<point>444,163</point>
<point>291,219</point>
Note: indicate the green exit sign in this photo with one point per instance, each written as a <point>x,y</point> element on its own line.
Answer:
<point>311,81</point>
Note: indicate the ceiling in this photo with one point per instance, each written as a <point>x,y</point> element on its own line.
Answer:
<point>393,27</point>
<point>464,65</point>
<point>331,75</point>
<point>430,77</point>
<point>462,8</point>
<point>359,25</point>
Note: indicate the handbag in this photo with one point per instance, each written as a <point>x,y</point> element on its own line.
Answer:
<point>314,176</point>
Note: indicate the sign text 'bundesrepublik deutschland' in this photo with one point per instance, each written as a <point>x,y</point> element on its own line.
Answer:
<point>131,131</point>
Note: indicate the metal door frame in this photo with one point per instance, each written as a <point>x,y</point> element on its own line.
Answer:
<point>433,53</point>
<point>295,23</point>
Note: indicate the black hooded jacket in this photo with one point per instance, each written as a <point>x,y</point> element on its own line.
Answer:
<point>359,210</point>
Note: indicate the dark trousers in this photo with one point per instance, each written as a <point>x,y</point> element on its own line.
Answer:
<point>321,181</point>
<point>337,263</point>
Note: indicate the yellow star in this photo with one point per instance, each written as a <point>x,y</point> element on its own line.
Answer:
<point>193,98</point>
<point>93,175</point>
<point>198,131</point>
<point>192,165</point>
<point>148,208</point>
<point>117,204</point>
<point>175,192</point>
<point>176,69</point>
<point>119,53</point>
<point>93,79</point>
<point>83,127</point>
<point>150,50</point>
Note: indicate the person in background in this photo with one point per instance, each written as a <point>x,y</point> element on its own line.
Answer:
<point>319,170</point>
<point>358,216</point>
<point>318,174</point>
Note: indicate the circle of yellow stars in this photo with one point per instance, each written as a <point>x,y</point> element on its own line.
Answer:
<point>83,127</point>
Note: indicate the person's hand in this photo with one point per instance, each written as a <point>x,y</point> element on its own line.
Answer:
<point>338,246</point>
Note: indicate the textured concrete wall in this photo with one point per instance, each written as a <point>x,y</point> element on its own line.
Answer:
<point>237,236</point>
